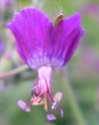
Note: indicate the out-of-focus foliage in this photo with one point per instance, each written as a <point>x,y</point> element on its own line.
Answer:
<point>83,69</point>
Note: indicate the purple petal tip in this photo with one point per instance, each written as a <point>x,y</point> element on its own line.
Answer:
<point>22,105</point>
<point>51,117</point>
<point>8,24</point>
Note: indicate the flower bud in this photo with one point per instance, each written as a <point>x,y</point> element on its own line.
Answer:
<point>16,59</point>
<point>5,65</point>
<point>58,19</point>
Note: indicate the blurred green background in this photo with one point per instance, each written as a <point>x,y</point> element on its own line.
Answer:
<point>82,70</point>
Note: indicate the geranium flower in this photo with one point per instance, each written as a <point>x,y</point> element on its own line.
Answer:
<point>45,48</point>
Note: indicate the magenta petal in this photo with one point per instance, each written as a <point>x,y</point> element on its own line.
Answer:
<point>51,117</point>
<point>39,44</point>
<point>66,38</point>
<point>33,31</point>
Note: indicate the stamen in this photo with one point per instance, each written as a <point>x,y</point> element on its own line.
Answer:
<point>46,84</point>
<point>51,117</point>
<point>35,82</point>
<point>62,113</point>
<point>54,105</point>
<point>39,101</point>
<point>41,98</point>
<point>31,102</point>
<point>22,105</point>
<point>50,98</point>
<point>45,102</point>
<point>37,92</point>
<point>33,90</point>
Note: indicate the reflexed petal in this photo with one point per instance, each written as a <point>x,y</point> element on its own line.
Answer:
<point>58,96</point>
<point>51,117</point>
<point>62,113</point>
<point>38,102</point>
<point>33,31</point>
<point>22,105</point>
<point>66,37</point>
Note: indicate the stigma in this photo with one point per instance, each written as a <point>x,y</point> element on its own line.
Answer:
<point>42,95</point>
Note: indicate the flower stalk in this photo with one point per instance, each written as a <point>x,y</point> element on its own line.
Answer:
<point>71,99</point>
<point>13,72</point>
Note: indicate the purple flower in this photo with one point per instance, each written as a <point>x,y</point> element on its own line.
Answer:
<point>45,48</point>
<point>90,8</point>
<point>6,3</point>
<point>1,45</point>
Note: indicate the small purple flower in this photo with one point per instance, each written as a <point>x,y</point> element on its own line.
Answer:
<point>6,4</point>
<point>45,48</point>
<point>1,45</point>
<point>90,8</point>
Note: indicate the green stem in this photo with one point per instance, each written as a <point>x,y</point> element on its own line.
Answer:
<point>14,71</point>
<point>71,99</point>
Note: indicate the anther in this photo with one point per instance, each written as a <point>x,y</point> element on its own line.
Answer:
<point>22,105</point>
<point>51,117</point>
<point>39,101</point>
<point>62,113</point>
<point>33,90</point>
<point>55,105</point>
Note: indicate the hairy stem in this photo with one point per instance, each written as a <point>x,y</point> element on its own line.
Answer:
<point>13,72</point>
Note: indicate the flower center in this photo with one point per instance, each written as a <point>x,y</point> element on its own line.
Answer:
<point>44,78</point>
